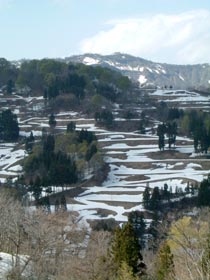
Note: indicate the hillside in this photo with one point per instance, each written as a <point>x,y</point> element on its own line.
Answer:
<point>83,176</point>
<point>151,73</point>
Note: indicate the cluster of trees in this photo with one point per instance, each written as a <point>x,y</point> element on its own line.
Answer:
<point>155,199</point>
<point>167,114</point>
<point>196,124</point>
<point>48,168</point>
<point>9,128</point>
<point>143,123</point>
<point>183,250</point>
<point>170,129</point>
<point>29,142</point>
<point>58,160</point>
<point>81,81</point>
<point>193,123</point>
<point>72,83</point>
<point>104,117</point>
<point>8,74</point>
<point>54,78</point>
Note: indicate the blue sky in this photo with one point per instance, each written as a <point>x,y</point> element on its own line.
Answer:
<point>160,30</point>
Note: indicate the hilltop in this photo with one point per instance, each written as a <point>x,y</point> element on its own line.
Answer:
<point>149,73</point>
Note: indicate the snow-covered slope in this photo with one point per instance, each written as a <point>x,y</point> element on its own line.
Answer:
<point>148,72</point>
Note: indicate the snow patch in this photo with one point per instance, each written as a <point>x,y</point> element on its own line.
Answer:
<point>150,70</point>
<point>181,78</point>
<point>142,79</point>
<point>90,61</point>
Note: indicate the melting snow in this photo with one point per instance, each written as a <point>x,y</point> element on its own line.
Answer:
<point>149,69</point>
<point>181,77</point>
<point>142,79</point>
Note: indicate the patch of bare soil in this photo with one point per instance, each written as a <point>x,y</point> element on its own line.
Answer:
<point>161,155</point>
<point>136,178</point>
<point>118,156</point>
<point>136,165</point>
<point>205,165</point>
<point>125,204</point>
<point>69,194</point>
<point>103,212</point>
<point>121,192</point>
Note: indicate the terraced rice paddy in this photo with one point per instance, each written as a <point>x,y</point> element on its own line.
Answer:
<point>134,163</point>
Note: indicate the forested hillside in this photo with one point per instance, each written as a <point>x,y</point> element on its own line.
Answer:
<point>65,85</point>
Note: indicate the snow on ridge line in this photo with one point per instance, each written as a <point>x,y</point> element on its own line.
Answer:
<point>90,61</point>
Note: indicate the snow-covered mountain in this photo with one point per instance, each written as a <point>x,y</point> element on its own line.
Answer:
<point>151,73</point>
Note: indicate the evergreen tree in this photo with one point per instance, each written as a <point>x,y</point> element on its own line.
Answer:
<point>161,134</point>
<point>46,204</point>
<point>105,117</point>
<point>36,189</point>
<point>90,152</point>
<point>29,142</point>
<point>52,121</point>
<point>142,129</point>
<point>49,144</point>
<point>126,248</point>
<point>153,229</point>
<point>9,129</point>
<point>166,193</point>
<point>10,86</point>
<point>146,198</point>
<point>165,264</point>
<point>57,205</point>
<point>136,218</point>
<point>155,199</point>
<point>63,203</point>
<point>204,193</point>
<point>171,130</point>
<point>71,127</point>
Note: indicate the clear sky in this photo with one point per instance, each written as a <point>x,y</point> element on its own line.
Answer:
<point>172,31</point>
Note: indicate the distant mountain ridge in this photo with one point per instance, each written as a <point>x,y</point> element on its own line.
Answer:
<point>149,73</point>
